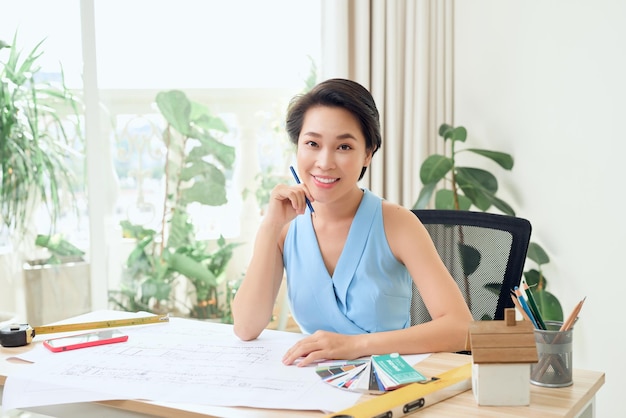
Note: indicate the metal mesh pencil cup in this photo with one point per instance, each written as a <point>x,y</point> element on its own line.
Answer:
<point>554,350</point>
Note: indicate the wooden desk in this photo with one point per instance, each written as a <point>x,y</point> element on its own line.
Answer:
<point>574,401</point>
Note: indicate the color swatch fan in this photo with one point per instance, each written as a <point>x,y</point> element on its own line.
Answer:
<point>379,374</point>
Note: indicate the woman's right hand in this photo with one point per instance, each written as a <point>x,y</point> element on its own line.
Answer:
<point>286,202</point>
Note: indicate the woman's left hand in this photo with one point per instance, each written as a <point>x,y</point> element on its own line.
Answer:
<point>322,345</point>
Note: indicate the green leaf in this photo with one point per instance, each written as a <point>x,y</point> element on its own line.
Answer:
<point>211,194</point>
<point>424,197</point>
<point>549,306</point>
<point>464,202</point>
<point>204,120</point>
<point>537,254</point>
<point>504,160</point>
<point>434,168</point>
<point>459,134</point>
<point>176,109</point>
<point>532,278</point>
<point>536,279</point>
<point>444,199</point>
<point>477,178</point>
<point>225,154</point>
<point>190,268</point>
<point>444,128</point>
<point>502,206</point>
<point>495,288</point>
<point>58,245</point>
<point>155,288</point>
<point>34,143</point>
<point>455,134</point>
<point>201,170</point>
<point>181,232</point>
<point>470,258</point>
<point>478,185</point>
<point>135,231</point>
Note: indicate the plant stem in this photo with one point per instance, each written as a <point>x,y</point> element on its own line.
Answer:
<point>167,138</point>
<point>455,194</point>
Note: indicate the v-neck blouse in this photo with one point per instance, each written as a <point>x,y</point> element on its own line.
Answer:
<point>370,290</point>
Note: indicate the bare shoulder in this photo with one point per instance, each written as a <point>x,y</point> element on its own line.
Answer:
<point>396,216</point>
<point>403,229</point>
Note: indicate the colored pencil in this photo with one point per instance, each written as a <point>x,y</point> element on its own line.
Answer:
<point>522,302</point>
<point>571,319</point>
<point>519,307</point>
<point>532,304</point>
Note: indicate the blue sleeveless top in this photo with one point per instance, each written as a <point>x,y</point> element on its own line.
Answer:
<point>370,290</point>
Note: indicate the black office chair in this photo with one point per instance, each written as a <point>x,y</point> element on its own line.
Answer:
<point>485,254</point>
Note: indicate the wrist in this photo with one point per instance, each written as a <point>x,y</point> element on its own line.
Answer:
<point>269,226</point>
<point>362,345</point>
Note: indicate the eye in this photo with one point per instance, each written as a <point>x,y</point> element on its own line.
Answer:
<point>345,147</point>
<point>312,144</point>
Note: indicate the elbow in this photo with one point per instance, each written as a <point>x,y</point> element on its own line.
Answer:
<point>245,333</point>
<point>461,330</point>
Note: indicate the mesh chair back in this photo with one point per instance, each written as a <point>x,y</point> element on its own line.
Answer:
<point>485,254</point>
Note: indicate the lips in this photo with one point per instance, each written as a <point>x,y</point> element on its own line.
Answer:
<point>325,180</point>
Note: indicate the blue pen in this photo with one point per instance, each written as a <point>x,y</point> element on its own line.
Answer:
<point>525,306</point>
<point>295,176</point>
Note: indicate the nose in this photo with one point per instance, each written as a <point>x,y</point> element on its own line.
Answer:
<point>326,159</point>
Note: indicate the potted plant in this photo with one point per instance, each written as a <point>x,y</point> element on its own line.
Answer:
<point>57,285</point>
<point>40,142</point>
<point>36,144</point>
<point>194,172</point>
<point>466,187</point>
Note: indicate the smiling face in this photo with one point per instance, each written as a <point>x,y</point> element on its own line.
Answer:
<point>331,153</point>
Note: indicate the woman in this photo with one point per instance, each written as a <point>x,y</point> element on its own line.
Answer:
<point>351,263</point>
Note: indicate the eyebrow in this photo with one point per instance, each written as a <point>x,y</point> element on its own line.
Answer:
<point>339,138</point>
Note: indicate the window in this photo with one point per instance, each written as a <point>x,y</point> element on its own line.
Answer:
<point>244,59</point>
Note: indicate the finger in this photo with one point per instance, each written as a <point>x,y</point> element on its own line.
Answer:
<point>299,202</point>
<point>295,194</point>
<point>312,357</point>
<point>307,193</point>
<point>290,196</point>
<point>298,350</point>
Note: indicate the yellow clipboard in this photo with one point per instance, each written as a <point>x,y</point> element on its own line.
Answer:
<point>413,397</point>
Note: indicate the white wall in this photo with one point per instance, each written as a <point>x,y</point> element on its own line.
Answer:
<point>546,81</point>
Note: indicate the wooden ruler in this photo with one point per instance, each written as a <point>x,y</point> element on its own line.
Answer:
<point>17,335</point>
<point>413,397</point>
<point>49,329</point>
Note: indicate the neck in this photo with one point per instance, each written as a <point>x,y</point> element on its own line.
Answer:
<point>340,209</point>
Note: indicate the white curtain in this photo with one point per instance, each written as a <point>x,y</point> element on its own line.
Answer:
<point>402,50</point>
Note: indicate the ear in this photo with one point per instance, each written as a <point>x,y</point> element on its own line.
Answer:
<point>368,158</point>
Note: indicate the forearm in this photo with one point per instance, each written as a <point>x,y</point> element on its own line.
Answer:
<point>254,301</point>
<point>445,334</point>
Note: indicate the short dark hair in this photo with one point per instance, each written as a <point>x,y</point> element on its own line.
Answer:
<point>338,92</point>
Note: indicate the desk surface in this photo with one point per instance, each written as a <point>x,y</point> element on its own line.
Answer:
<point>545,402</point>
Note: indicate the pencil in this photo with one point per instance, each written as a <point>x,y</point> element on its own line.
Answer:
<point>532,304</point>
<point>519,307</point>
<point>554,359</point>
<point>522,302</point>
<point>295,176</point>
<point>571,319</point>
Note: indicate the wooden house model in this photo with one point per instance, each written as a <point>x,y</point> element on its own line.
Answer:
<point>502,352</point>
